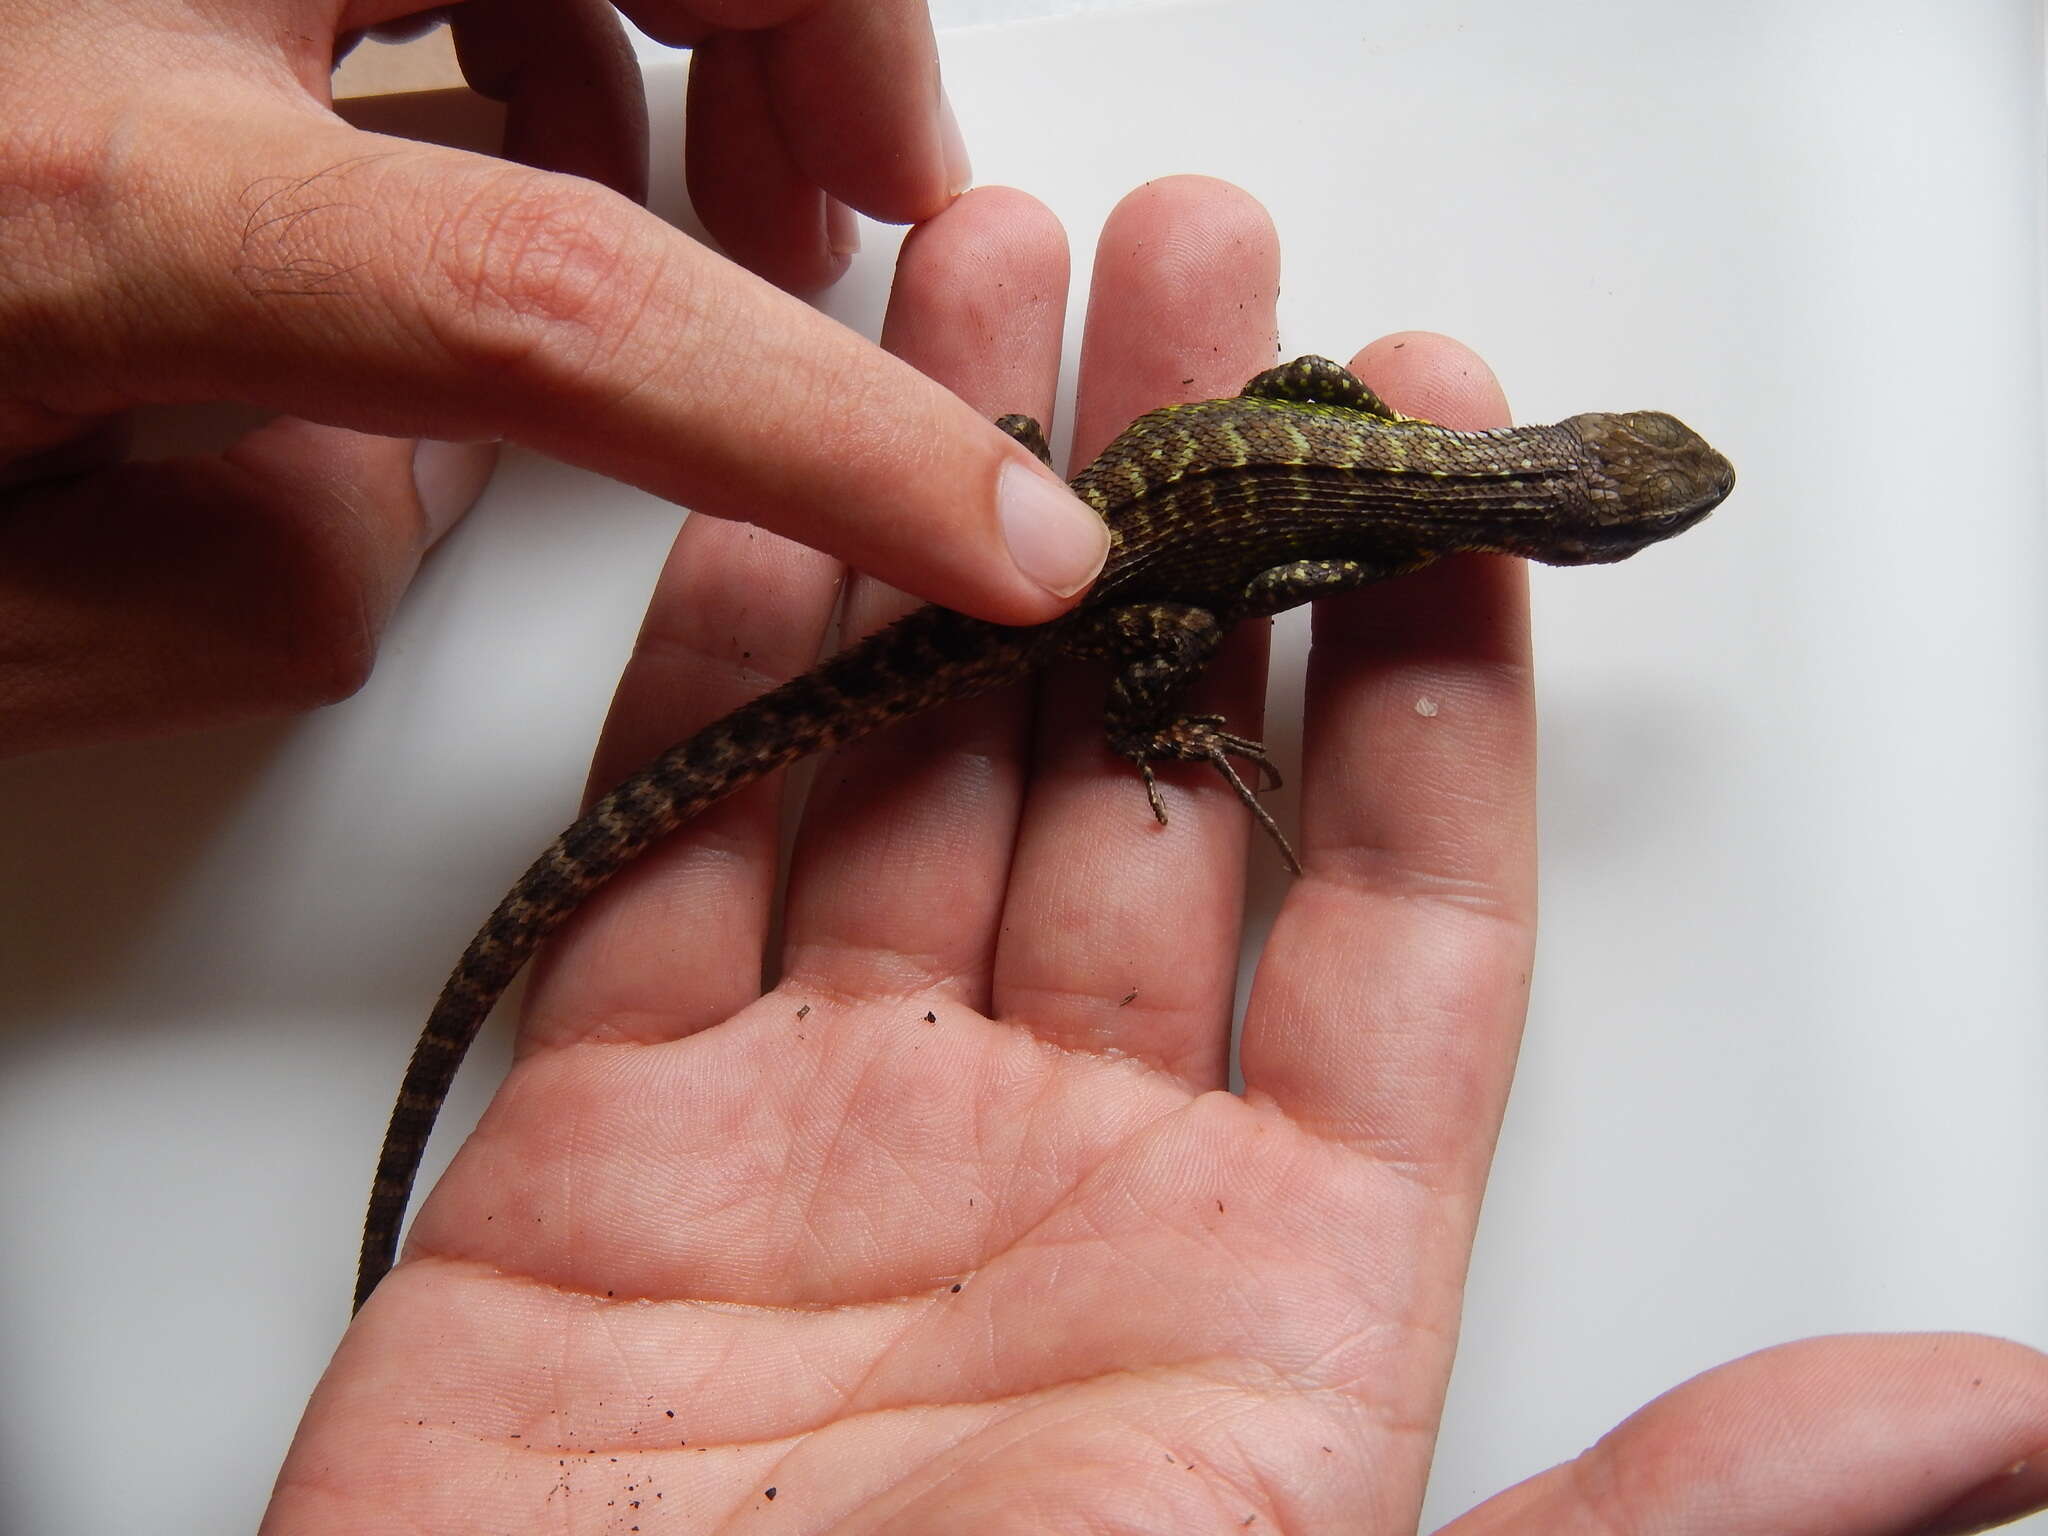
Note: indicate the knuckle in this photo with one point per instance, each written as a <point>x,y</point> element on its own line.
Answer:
<point>307,599</point>
<point>55,189</point>
<point>321,624</point>
<point>51,163</point>
<point>299,650</point>
<point>325,661</point>
<point>542,274</point>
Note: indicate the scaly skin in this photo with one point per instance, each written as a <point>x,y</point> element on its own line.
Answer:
<point>1304,485</point>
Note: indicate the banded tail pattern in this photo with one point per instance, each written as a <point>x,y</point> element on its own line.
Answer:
<point>931,656</point>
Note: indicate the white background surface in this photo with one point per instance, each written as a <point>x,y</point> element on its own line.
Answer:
<point>1789,1044</point>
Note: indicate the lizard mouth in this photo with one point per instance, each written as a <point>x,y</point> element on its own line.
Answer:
<point>1617,541</point>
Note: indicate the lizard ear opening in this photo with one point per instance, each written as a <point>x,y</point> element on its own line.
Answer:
<point>1318,381</point>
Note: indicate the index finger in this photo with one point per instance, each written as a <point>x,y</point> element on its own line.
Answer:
<point>279,257</point>
<point>1389,1001</point>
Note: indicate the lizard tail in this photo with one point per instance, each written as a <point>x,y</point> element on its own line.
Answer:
<point>928,658</point>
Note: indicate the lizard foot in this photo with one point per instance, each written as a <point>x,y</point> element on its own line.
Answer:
<point>1199,739</point>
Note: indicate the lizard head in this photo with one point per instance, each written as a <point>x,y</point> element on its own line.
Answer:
<point>1648,476</point>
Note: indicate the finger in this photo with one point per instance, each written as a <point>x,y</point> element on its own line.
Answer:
<point>155,597</point>
<point>852,89</point>
<point>570,84</point>
<point>670,947</point>
<point>1389,999</point>
<point>674,944</point>
<point>59,448</point>
<point>674,23</point>
<point>745,186</point>
<point>856,88</point>
<point>928,813</point>
<point>408,289</point>
<point>1873,1435</point>
<point>1122,934</point>
<point>978,304</point>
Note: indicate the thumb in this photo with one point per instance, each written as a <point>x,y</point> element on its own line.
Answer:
<point>276,256</point>
<point>1863,1435</point>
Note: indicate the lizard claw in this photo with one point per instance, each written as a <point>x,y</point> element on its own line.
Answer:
<point>1152,791</point>
<point>1206,734</point>
<point>1201,738</point>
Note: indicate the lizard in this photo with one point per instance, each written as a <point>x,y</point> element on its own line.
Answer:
<point>1304,485</point>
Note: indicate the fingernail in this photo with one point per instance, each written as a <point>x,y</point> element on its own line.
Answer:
<point>842,229</point>
<point>2020,1490</point>
<point>953,146</point>
<point>1056,538</point>
<point>448,478</point>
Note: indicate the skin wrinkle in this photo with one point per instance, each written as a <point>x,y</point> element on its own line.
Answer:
<point>1043,1394</point>
<point>482,249</point>
<point>1038,1122</point>
<point>1604,1500</point>
<point>39,327</point>
<point>664,347</point>
<point>1196,1368</point>
<point>1391,1151</point>
<point>823,1158</point>
<point>1389,1154</point>
<point>1006,1427</point>
<point>351,658</point>
<point>882,1356</point>
<point>550,1027</point>
<point>890,976</point>
<point>519,259</point>
<point>1206,1370</point>
<point>1022,1008</point>
<point>482,1272</point>
<point>706,670</point>
<point>1377,870</point>
<point>914,441</point>
<point>607,1328</point>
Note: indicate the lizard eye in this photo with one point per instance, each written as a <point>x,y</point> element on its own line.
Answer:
<point>1657,429</point>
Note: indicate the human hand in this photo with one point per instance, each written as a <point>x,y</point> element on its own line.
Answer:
<point>956,1229</point>
<point>186,220</point>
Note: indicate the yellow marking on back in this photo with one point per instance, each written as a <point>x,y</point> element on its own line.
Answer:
<point>1298,441</point>
<point>1240,454</point>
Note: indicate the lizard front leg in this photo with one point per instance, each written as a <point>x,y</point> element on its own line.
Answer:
<point>1159,649</point>
<point>1302,581</point>
<point>1318,381</point>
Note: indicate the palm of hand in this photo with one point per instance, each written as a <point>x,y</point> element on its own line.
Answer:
<point>918,1275</point>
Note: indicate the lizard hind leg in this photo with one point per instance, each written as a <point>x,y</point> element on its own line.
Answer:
<point>1159,650</point>
<point>1201,738</point>
<point>1318,381</point>
<point>1026,430</point>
